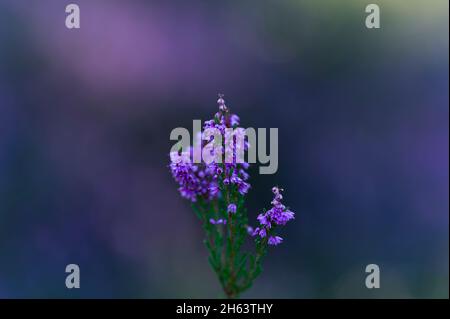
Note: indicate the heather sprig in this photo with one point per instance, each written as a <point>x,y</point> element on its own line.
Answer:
<point>217,194</point>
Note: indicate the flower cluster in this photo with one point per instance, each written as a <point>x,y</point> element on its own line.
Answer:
<point>217,191</point>
<point>200,179</point>
<point>233,172</point>
<point>193,179</point>
<point>277,215</point>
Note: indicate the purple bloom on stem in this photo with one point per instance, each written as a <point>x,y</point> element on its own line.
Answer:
<point>221,103</point>
<point>275,240</point>
<point>234,120</point>
<point>244,174</point>
<point>263,220</point>
<point>231,208</point>
<point>200,180</point>
<point>278,215</point>
<point>217,222</point>
<point>260,231</point>
<point>222,176</point>
<point>243,187</point>
<point>214,190</point>
<point>193,180</point>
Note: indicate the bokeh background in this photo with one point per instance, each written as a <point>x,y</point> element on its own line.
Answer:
<point>85,117</point>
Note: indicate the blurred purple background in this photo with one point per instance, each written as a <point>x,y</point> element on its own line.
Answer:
<point>85,117</point>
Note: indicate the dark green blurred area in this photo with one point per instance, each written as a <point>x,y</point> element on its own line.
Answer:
<point>85,117</point>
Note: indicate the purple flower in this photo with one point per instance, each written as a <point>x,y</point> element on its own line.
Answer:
<point>263,220</point>
<point>278,215</point>
<point>231,208</point>
<point>260,231</point>
<point>244,175</point>
<point>234,120</point>
<point>193,179</point>
<point>231,172</point>
<point>213,190</point>
<point>274,240</point>
<point>221,177</point>
<point>202,181</point>
<point>243,187</point>
<point>221,103</point>
<point>217,222</point>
